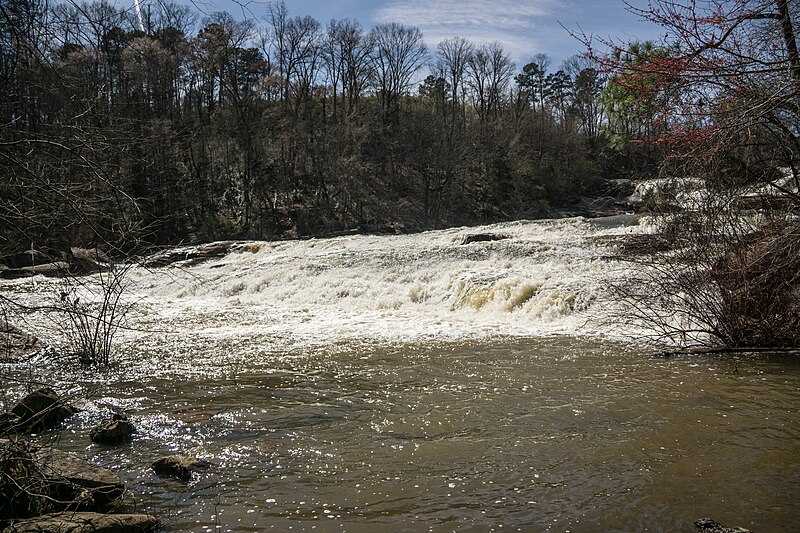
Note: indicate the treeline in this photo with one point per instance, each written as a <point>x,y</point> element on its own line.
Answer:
<point>168,127</point>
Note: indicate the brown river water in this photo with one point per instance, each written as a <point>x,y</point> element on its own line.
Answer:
<point>412,384</point>
<point>556,434</point>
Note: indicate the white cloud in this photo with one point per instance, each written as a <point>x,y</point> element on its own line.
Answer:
<point>508,14</point>
<point>513,23</point>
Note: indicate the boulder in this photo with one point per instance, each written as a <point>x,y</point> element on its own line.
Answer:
<point>77,484</point>
<point>482,237</point>
<point>113,431</point>
<point>180,466</point>
<point>706,525</point>
<point>40,410</point>
<point>87,260</point>
<point>85,523</point>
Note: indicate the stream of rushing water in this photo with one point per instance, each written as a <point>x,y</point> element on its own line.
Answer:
<point>410,383</point>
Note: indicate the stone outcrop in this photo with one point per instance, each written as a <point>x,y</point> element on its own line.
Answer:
<point>85,523</point>
<point>179,466</point>
<point>115,430</point>
<point>41,410</point>
<point>56,268</point>
<point>194,254</point>
<point>75,261</point>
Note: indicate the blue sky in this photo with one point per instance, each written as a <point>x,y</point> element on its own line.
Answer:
<point>524,27</point>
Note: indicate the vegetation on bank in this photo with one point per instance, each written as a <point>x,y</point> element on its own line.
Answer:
<point>722,97</point>
<point>187,127</point>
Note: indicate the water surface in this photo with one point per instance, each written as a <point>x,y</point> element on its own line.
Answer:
<point>413,384</point>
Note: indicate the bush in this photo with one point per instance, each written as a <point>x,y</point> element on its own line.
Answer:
<point>728,277</point>
<point>758,280</point>
<point>94,311</point>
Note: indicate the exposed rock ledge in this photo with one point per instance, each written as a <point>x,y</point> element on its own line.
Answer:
<point>85,523</point>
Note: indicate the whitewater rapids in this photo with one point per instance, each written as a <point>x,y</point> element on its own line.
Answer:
<point>549,277</point>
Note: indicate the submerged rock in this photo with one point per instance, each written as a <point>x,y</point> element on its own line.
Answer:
<point>85,523</point>
<point>706,525</point>
<point>180,466</point>
<point>115,430</point>
<point>41,410</point>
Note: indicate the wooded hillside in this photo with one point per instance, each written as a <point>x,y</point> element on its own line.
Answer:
<point>190,127</point>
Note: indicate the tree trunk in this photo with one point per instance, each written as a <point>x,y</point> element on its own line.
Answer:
<point>789,38</point>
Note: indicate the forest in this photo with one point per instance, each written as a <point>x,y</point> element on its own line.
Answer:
<point>123,130</point>
<point>190,127</point>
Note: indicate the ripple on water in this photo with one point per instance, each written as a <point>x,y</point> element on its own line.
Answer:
<point>551,433</point>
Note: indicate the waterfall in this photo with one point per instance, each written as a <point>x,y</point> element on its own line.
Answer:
<point>534,278</point>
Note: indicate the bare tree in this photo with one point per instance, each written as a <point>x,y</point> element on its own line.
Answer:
<point>727,92</point>
<point>452,59</point>
<point>398,54</point>
<point>490,71</point>
<point>587,96</point>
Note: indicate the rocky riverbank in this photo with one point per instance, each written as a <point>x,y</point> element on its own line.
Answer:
<point>43,489</point>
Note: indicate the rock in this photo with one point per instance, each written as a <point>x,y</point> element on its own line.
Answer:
<point>28,258</point>
<point>85,523</point>
<point>482,237</point>
<point>15,342</point>
<point>180,466</point>
<point>196,254</point>
<point>22,489</point>
<point>80,485</point>
<point>58,268</point>
<point>85,260</point>
<point>41,409</point>
<point>706,525</point>
<point>115,430</point>
<point>48,480</point>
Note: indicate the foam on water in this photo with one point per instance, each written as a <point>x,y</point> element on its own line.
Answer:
<point>545,277</point>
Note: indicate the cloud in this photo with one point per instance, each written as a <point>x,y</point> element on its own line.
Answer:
<point>507,14</point>
<point>513,23</point>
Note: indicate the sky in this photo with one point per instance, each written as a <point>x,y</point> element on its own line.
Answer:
<point>523,27</point>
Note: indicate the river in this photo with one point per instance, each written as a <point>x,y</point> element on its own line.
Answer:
<point>411,383</point>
